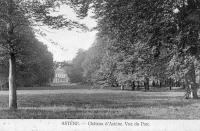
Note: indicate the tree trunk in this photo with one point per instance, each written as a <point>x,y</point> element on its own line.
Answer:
<point>191,84</point>
<point>170,84</point>
<point>146,83</point>
<point>12,83</point>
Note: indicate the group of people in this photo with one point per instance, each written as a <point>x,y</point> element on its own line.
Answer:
<point>136,85</point>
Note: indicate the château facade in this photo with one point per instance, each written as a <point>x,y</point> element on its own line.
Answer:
<point>60,77</point>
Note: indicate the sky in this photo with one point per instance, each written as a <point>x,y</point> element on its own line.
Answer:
<point>68,42</point>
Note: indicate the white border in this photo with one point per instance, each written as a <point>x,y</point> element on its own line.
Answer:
<point>96,125</point>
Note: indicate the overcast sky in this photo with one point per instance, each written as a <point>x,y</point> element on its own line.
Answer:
<point>68,41</point>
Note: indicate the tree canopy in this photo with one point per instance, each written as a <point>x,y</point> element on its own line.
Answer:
<point>157,38</point>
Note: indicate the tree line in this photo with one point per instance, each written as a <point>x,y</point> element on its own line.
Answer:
<point>139,40</point>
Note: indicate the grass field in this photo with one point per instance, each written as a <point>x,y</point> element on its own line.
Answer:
<point>99,104</point>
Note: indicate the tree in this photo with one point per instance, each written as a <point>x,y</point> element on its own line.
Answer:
<point>156,26</point>
<point>76,72</point>
<point>93,59</point>
<point>15,17</point>
<point>34,65</point>
<point>105,75</point>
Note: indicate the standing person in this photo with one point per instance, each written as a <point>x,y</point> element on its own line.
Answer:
<point>133,85</point>
<point>153,83</point>
<point>138,85</point>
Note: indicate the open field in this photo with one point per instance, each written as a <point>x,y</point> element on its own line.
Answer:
<point>99,104</point>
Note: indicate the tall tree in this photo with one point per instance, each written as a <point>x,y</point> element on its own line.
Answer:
<point>76,72</point>
<point>34,65</point>
<point>93,59</point>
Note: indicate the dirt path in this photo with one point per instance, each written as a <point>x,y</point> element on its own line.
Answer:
<point>87,91</point>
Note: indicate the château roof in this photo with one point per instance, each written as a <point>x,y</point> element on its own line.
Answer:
<point>60,71</point>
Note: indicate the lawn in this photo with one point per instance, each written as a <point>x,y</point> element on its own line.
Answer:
<point>99,104</point>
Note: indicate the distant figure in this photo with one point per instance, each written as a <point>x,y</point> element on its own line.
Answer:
<point>153,83</point>
<point>157,84</point>
<point>188,92</point>
<point>122,87</point>
<point>133,85</point>
<point>146,83</point>
<point>160,84</point>
<point>138,85</point>
<point>170,84</point>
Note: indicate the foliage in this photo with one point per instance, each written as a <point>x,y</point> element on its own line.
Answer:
<point>157,38</point>
<point>105,75</point>
<point>76,71</point>
<point>93,60</point>
<point>36,67</point>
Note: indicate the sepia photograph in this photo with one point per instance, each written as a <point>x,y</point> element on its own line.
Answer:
<point>109,62</point>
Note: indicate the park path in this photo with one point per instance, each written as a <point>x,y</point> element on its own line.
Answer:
<point>87,91</point>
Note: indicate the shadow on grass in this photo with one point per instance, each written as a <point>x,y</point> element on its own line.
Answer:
<point>69,114</point>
